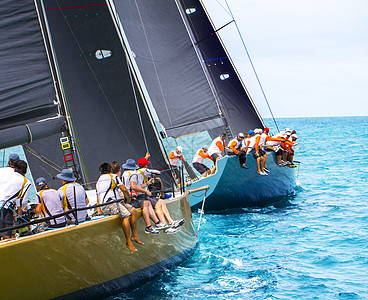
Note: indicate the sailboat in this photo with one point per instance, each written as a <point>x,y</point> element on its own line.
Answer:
<point>205,94</point>
<point>72,97</point>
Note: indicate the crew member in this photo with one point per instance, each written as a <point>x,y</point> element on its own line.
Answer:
<point>147,210</point>
<point>197,162</point>
<point>108,188</point>
<point>48,202</point>
<point>143,178</point>
<point>8,170</point>
<point>174,157</point>
<point>72,193</point>
<point>235,148</point>
<point>13,196</point>
<point>256,150</point>
<point>217,146</point>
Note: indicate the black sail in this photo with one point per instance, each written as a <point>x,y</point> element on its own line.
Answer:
<point>101,93</point>
<point>27,92</point>
<point>239,110</point>
<point>170,67</point>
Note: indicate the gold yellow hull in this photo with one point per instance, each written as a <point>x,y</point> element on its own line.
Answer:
<point>90,260</point>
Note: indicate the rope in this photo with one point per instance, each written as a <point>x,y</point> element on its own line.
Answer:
<point>202,210</point>
<point>251,62</point>
<point>30,134</point>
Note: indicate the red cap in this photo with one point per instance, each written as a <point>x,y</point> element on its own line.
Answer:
<point>143,162</point>
<point>266,129</point>
<point>293,132</point>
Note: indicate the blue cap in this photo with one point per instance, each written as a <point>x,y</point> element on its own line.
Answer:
<point>66,175</point>
<point>40,182</point>
<point>250,132</point>
<point>130,165</point>
<point>14,157</point>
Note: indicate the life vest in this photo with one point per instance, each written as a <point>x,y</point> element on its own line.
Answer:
<point>200,156</point>
<point>235,144</point>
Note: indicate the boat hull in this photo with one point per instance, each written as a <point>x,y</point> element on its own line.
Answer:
<point>235,187</point>
<point>90,261</point>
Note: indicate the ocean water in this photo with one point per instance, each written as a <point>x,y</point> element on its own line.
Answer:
<point>314,246</point>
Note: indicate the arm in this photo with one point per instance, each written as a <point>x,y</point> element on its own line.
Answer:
<point>220,145</point>
<point>125,192</point>
<point>99,208</point>
<point>137,188</point>
<point>232,147</point>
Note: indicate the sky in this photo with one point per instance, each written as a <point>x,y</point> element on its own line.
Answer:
<point>311,56</point>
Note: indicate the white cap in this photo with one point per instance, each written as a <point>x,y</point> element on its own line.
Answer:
<point>205,147</point>
<point>179,148</point>
<point>294,135</point>
<point>258,130</point>
<point>287,129</point>
<point>241,135</point>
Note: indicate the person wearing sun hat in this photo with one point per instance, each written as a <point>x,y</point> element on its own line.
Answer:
<point>48,202</point>
<point>147,210</point>
<point>72,192</point>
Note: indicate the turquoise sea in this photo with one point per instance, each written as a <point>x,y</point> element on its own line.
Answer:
<point>313,246</point>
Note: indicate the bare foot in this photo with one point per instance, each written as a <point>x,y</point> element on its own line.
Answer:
<point>137,240</point>
<point>131,247</point>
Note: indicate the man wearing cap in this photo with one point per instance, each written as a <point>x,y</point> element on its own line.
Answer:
<point>142,179</point>
<point>174,157</point>
<point>8,170</point>
<point>290,156</point>
<point>13,196</point>
<point>72,193</point>
<point>256,150</point>
<point>235,146</point>
<point>108,189</point>
<point>197,162</point>
<point>217,146</point>
<point>48,202</point>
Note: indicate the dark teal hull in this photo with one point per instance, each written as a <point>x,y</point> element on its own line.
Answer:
<point>234,187</point>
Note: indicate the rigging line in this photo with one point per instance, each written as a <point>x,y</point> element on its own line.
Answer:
<point>153,61</point>
<point>223,7</point>
<point>43,159</point>
<point>98,83</point>
<point>251,62</point>
<point>136,103</point>
<point>212,33</point>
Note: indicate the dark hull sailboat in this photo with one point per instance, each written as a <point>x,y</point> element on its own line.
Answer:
<point>71,96</point>
<point>204,94</point>
<point>235,187</point>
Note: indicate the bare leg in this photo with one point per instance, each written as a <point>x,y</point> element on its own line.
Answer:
<point>126,228</point>
<point>205,174</point>
<point>165,211</point>
<point>259,164</point>
<point>158,211</point>
<point>265,160</point>
<point>215,167</point>
<point>152,214</point>
<point>146,213</point>
<point>133,225</point>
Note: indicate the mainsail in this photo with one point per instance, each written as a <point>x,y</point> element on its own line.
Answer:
<point>108,114</point>
<point>27,92</point>
<point>189,75</point>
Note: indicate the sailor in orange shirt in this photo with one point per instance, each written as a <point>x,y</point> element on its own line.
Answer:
<point>235,146</point>
<point>217,146</point>
<point>174,157</point>
<point>257,152</point>
<point>290,143</point>
<point>197,162</point>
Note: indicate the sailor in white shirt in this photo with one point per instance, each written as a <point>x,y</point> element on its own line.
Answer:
<point>72,192</point>
<point>108,189</point>
<point>9,169</point>
<point>13,196</point>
